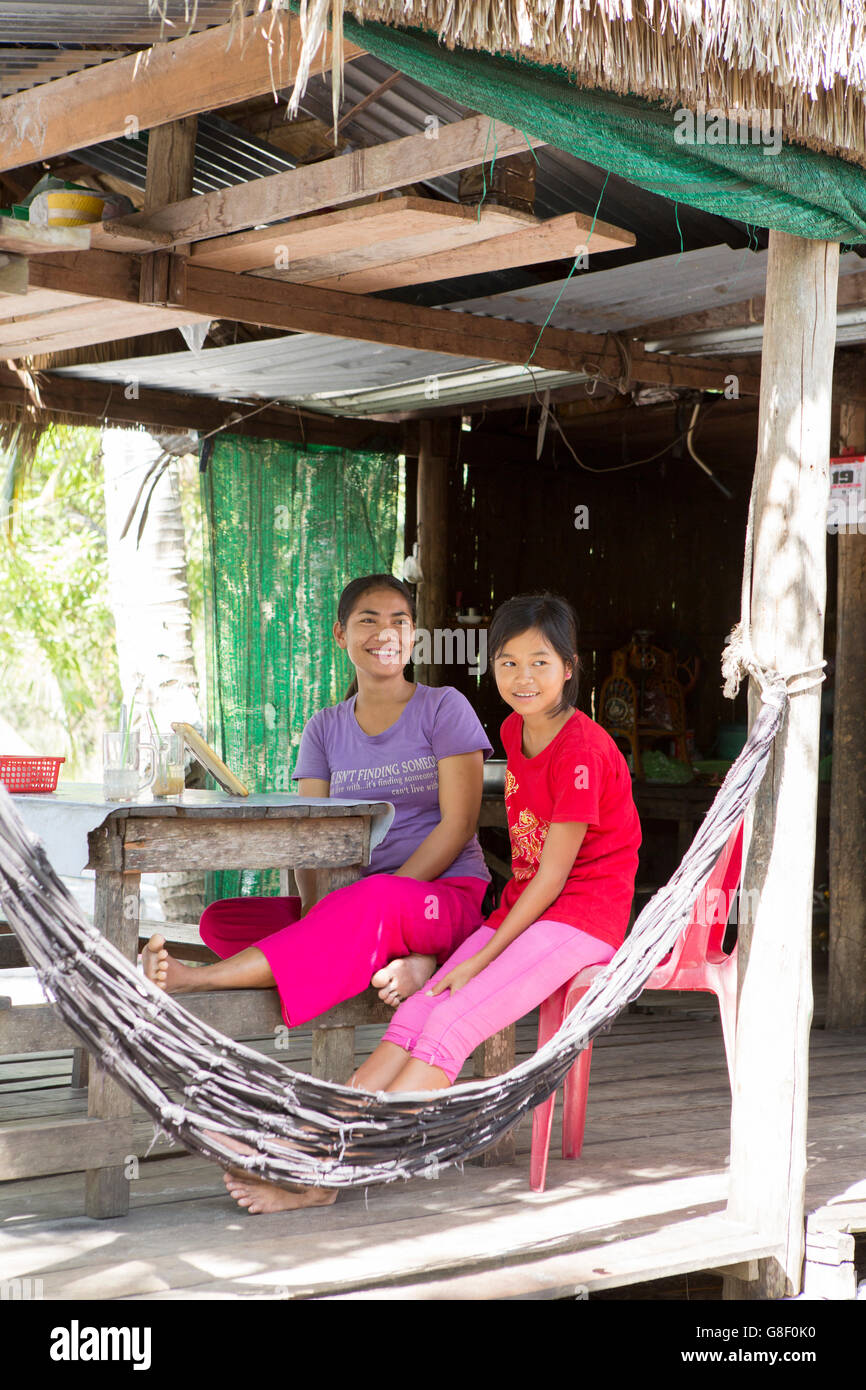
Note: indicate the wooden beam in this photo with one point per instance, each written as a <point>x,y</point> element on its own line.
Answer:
<point>363,235</point>
<point>791,488</point>
<point>344,179</point>
<point>171,80</point>
<point>218,294</point>
<point>115,404</point>
<point>304,308</point>
<point>846,1001</point>
<point>557,239</point>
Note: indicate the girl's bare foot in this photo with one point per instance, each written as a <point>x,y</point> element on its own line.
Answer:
<point>163,970</point>
<point>402,977</point>
<point>262,1197</point>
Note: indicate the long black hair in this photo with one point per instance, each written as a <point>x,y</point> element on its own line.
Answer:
<point>355,590</point>
<point>552,616</point>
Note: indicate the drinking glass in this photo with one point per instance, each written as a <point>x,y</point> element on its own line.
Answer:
<point>121,776</point>
<point>169,766</point>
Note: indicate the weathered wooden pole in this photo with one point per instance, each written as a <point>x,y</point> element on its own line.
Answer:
<point>170,163</point>
<point>846,1002</point>
<point>791,489</point>
<point>434,449</point>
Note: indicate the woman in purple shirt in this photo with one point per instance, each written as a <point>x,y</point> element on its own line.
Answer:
<point>420,897</point>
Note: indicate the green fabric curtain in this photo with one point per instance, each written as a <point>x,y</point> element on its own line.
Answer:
<point>796,190</point>
<point>285,529</point>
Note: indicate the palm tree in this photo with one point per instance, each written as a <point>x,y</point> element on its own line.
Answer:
<point>149,595</point>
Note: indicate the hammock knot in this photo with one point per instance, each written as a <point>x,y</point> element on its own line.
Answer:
<point>738,659</point>
<point>173,1114</point>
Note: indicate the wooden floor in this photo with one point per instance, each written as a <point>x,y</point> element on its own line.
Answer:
<point>642,1203</point>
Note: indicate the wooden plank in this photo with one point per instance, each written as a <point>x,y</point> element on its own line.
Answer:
<point>29,240</point>
<point>63,1146</point>
<point>768,1148</point>
<point>343,179</point>
<point>14,276</point>
<point>557,239</point>
<point>39,302</point>
<point>372,231</point>
<point>148,88</point>
<point>156,846</point>
<point>680,1248</point>
<point>98,321</point>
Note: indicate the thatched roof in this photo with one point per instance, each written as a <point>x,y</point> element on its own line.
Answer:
<point>806,58</point>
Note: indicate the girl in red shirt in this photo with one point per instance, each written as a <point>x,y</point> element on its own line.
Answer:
<point>574,840</point>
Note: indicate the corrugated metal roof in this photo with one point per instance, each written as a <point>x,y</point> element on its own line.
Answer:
<point>324,373</point>
<point>41,40</point>
<point>224,154</point>
<point>611,301</point>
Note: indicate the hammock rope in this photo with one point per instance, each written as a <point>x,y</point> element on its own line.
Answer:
<point>304,1130</point>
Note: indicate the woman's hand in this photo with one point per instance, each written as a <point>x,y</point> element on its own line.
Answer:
<point>460,975</point>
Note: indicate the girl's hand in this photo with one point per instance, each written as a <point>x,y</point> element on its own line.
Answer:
<point>459,976</point>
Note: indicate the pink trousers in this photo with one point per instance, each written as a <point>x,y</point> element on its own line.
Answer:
<point>444,1030</point>
<point>319,960</point>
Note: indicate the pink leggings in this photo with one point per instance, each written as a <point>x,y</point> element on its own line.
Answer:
<point>444,1030</point>
<point>319,960</point>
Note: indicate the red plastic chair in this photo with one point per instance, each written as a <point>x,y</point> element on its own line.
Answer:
<point>697,962</point>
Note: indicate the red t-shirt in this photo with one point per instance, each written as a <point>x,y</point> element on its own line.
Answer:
<point>580,776</point>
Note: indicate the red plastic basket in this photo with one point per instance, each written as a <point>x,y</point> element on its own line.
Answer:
<point>29,774</point>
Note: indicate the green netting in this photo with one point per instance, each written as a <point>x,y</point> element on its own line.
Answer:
<point>285,528</point>
<point>796,190</point>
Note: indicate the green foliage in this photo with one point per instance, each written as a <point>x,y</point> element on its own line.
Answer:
<point>58,663</point>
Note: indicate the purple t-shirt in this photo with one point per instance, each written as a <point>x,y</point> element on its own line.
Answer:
<point>397,766</point>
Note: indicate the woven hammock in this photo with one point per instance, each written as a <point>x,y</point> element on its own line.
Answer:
<point>303,1130</point>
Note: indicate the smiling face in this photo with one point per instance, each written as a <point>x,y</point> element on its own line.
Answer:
<point>530,675</point>
<point>378,634</point>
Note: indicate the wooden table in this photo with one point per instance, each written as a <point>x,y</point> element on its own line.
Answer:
<point>204,830</point>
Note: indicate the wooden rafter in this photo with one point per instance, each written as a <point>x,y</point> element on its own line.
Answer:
<point>179,78</point>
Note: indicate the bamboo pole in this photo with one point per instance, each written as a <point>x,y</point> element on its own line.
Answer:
<point>791,487</point>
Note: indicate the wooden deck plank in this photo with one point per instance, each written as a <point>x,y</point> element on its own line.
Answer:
<point>648,1170</point>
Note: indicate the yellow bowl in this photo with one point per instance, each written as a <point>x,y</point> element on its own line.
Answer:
<point>68,208</point>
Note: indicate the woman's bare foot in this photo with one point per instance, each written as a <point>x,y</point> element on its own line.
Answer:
<point>262,1197</point>
<point>163,970</point>
<point>402,977</point>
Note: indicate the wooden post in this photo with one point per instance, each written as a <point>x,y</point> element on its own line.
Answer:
<point>116,911</point>
<point>170,163</point>
<point>768,1124</point>
<point>433,456</point>
<point>846,1003</point>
